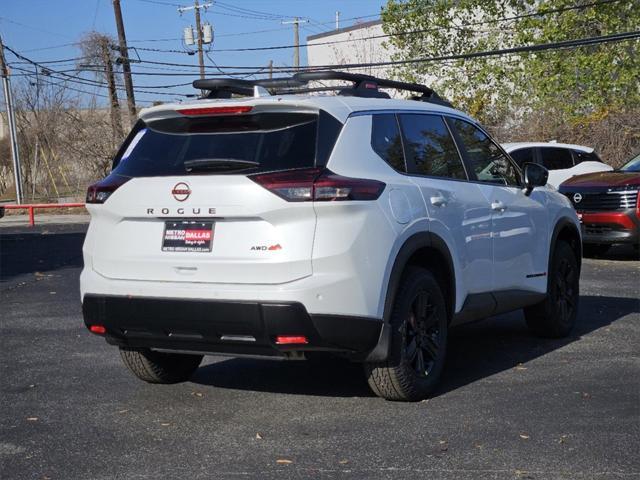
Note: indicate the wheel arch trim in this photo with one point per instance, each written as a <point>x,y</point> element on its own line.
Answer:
<point>411,245</point>
<point>564,223</point>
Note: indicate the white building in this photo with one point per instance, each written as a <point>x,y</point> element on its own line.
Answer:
<point>360,43</point>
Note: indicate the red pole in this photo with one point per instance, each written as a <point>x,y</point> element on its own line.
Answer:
<point>32,220</point>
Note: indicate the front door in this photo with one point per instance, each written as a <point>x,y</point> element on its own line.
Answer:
<point>519,224</point>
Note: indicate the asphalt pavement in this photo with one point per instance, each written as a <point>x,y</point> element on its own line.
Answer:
<point>511,406</point>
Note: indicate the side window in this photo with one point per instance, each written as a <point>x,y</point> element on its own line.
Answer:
<point>386,140</point>
<point>579,156</point>
<point>522,156</point>
<point>486,158</point>
<point>429,148</point>
<point>556,158</point>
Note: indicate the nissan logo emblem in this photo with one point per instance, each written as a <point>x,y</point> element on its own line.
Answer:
<point>181,191</point>
<point>577,198</point>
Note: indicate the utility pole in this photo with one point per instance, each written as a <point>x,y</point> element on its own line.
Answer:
<point>126,66</point>
<point>270,69</point>
<point>116,126</point>
<point>296,39</point>
<point>15,152</point>
<point>196,7</point>
<point>337,20</point>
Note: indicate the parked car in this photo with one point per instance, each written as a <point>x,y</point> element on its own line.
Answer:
<point>287,224</point>
<point>563,160</point>
<point>608,206</point>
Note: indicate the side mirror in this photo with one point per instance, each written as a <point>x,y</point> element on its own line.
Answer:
<point>534,176</point>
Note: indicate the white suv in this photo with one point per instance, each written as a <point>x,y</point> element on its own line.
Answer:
<point>563,160</point>
<point>290,224</point>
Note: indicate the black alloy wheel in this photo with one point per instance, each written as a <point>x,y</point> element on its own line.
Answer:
<point>418,329</point>
<point>422,337</point>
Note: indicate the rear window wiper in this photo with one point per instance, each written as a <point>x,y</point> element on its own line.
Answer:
<point>219,164</point>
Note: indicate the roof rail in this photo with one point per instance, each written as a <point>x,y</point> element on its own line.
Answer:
<point>361,86</point>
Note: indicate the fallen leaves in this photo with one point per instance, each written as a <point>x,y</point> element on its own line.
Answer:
<point>520,367</point>
<point>524,436</point>
<point>197,394</point>
<point>284,461</point>
<point>258,436</point>
<point>32,419</point>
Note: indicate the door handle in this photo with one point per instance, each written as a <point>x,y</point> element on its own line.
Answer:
<point>498,206</point>
<point>438,201</point>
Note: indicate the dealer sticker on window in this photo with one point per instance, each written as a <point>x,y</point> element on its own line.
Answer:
<point>187,236</point>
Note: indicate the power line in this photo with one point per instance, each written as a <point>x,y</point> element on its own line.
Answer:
<point>56,74</point>
<point>412,32</point>
<point>616,37</point>
<point>566,44</point>
<point>427,30</point>
<point>521,49</point>
<point>8,20</point>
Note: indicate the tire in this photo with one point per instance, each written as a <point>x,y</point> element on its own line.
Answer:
<point>595,249</point>
<point>418,341</point>
<point>555,316</point>
<point>157,367</point>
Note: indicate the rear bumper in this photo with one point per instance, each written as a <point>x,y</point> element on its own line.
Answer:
<point>226,327</point>
<point>605,228</point>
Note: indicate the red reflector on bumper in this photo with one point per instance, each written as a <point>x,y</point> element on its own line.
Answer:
<point>98,329</point>
<point>291,340</point>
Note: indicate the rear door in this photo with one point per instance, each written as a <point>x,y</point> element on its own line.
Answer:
<point>519,222</point>
<point>190,211</point>
<point>457,209</point>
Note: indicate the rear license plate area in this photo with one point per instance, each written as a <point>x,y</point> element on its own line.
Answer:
<point>187,236</point>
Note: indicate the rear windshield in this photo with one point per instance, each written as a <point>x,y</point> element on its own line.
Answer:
<point>274,141</point>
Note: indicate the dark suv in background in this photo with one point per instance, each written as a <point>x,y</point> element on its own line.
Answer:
<point>608,206</point>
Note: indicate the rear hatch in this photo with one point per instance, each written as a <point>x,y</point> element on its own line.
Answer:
<point>180,204</point>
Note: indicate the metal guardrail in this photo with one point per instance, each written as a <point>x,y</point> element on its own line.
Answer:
<point>31,207</point>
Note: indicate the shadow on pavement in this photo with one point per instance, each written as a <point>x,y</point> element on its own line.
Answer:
<point>476,351</point>
<point>30,252</point>
<point>334,378</point>
<point>483,349</point>
<point>618,252</point>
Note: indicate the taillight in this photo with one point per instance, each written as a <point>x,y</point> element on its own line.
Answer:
<point>318,185</point>
<point>100,191</point>
<point>215,110</point>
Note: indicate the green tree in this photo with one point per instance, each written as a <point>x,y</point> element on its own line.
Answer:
<point>446,27</point>
<point>573,84</point>
<point>587,81</point>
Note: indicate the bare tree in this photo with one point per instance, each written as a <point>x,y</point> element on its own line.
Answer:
<point>99,56</point>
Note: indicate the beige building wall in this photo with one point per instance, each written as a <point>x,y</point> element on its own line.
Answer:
<point>353,45</point>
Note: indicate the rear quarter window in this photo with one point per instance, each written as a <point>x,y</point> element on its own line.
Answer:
<point>386,140</point>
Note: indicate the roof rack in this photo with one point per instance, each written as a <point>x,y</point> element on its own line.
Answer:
<point>361,86</point>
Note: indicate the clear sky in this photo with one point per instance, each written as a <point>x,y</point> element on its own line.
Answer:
<point>46,30</point>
